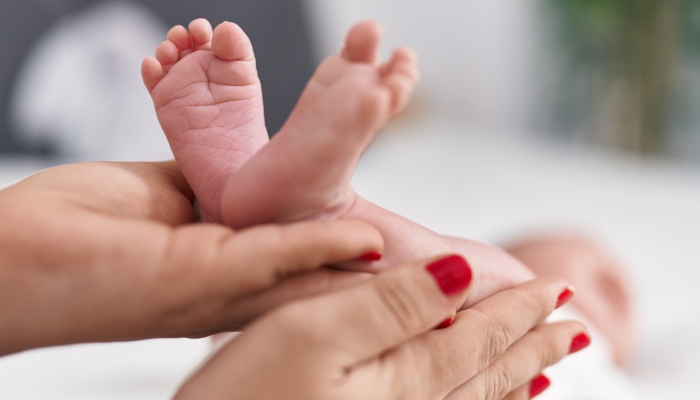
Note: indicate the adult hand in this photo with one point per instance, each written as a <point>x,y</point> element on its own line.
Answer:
<point>376,341</point>
<point>104,252</point>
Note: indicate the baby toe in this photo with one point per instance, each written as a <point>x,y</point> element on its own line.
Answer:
<point>400,75</point>
<point>167,54</point>
<point>201,32</point>
<point>404,61</point>
<point>362,43</point>
<point>151,72</point>
<point>401,88</point>
<point>180,37</point>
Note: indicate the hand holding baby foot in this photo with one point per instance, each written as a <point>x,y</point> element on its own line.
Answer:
<point>102,252</point>
<point>305,171</point>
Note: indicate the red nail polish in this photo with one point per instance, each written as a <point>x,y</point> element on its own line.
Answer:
<point>564,297</point>
<point>371,256</point>
<point>445,324</point>
<point>452,274</point>
<point>579,343</point>
<point>539,385</point>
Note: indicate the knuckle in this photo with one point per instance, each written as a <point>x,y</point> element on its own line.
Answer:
<point>269,244</point>
<point>400,303</point>
<point>497,338</point>
<point>541,302</point>
<point>549,351</point>
<point>270,235</point>
<point>498,384</point>
<point>498,342</point>
<point>243,253</point>
<point>412,363</point>
<point>193,245</point>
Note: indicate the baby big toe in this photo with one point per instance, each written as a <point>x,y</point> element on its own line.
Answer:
<point>362,43</point>
<point>230,43</point>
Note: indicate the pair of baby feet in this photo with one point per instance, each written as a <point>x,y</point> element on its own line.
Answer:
<point>208,99</point>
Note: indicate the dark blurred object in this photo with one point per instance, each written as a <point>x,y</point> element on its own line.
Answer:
<point>276,28</point>
<point>626,81</point>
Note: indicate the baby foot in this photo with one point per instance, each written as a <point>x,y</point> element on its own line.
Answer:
<point>305,171</point>
<point>208,99</point>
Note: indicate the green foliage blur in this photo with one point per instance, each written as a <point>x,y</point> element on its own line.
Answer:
<point>623,58</point>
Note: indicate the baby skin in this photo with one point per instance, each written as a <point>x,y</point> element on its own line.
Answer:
<point>208,99</point>
<point>602,288</point>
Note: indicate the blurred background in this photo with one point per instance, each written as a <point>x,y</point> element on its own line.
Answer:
<point>532,116</point>
<point>620,74</point>
<point>617,74</point>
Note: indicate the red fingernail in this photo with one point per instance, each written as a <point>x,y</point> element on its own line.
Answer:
<point>445,324</point>
<point>539,385</point>
<point>564,297</point>
<point>371,256</point>
<point>452,274</point>
<point>579,343</point>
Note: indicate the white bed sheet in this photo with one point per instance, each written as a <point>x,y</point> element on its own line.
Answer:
<point>469,185</point>
<point>494,190</point>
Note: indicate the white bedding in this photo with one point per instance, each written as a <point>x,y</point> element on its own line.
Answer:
<point>461,184</point>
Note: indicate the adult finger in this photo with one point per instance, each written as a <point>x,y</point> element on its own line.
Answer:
<point>324,338</point>
<point>529,391</point>
<point>540,348</point>
<point>447,360</point>
<point>293,288</point>
<point>371,318</point>
<point>241,263</point>
<point>188,281</point>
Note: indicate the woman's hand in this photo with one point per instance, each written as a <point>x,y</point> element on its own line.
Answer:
<point>377,340</point>
<point>104,252</point>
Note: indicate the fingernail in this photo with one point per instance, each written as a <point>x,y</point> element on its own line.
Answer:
<point>579,343</point>
<point>452,274</point>
<point>371,256</point>
<point>564,297</point>
<point>445,324</point>
<point>539,385</point>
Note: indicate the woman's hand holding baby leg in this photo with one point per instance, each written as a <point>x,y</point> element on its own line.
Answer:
<point>376,341</point>
<point>104,252</point>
